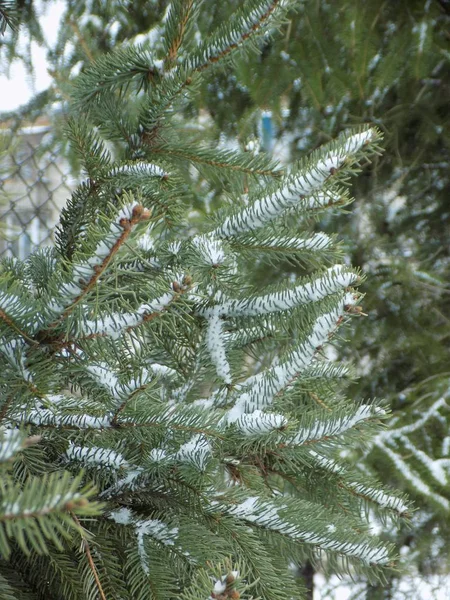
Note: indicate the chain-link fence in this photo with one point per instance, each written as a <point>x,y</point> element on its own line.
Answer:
<point>35,183</point>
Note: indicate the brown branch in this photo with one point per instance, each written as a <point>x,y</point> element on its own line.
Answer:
<point>125,402</point>
<point>176,42</point>
<point>139,214</point>
<point>90,561</point>
<point>5,407</point>
<point>7,319</point>
<point>81,40</point>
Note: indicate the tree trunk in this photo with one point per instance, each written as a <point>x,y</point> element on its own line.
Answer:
<point>307,574</point>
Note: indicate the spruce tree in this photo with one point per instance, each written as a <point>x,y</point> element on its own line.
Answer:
<point>170,425</point>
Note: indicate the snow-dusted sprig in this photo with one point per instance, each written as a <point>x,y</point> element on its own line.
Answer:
<point>12,441</point>
<point>260,389</point>
<point>332,281</point>
<point>14,353</point>
<point>86,273</point>
<point>154,528</point>
<point>367,493</point>
<point>96,457</point>
<point>138,168</point>
<point>413,478</point>
<point>284,517</point>
<point>381,498</point>
<point>113,325</point>
<point>215,343</point>
<point>331,425</point>
<point>16,314</point>
<point>260,423</point>
<point>46,417</point>
<point>295,188</point>
<point>196,451</point>
<point>210,249</point>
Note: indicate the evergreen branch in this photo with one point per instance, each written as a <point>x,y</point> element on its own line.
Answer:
<point>250,21</point>
<point>378,497</point>
<point>115,70</point>
<point>8,16</point>
<point>87,549</point>
<point>13,441</point>
<point>73,25</point>
<point>41,509</point>
<point>297,187</point>
<point>105,254</point>
<point>10,323</point>
<point>322,428</point>
<point>5,407</point>
<point>221,159</point>
<point>178,20</point>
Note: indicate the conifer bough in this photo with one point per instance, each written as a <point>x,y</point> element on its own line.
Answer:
<point>167,430</point>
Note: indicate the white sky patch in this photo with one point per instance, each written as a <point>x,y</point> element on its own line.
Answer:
<point>19,87</point>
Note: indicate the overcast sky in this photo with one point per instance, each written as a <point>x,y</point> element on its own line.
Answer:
<point>18,88</point>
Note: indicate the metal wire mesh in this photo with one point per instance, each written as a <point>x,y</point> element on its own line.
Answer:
<point>35,182</point>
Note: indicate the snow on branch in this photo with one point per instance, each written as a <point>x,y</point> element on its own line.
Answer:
<point>265,513</point>
<point>293,190</point>
<point>242,26</point>
<point>154,528</point>
<point>11,442</point>
<point>47,417</point>
<point>14,352</point>
<point>196,451</point>
<point>115,324</point>
<point>13,311</point>
<point>118,390</point>
<point>210,248</point>
<point>418,424</point>
<point>140,168</point>
<point>381,498</point>
<point>259,422</point>
<point>97,457</point>
<point>331,426</point>
<point>412,477</point>
<point>260,389</point>
<point>334,280</point>
<point>317,241</point>
<point>86,273</point>
<point>215,343</point>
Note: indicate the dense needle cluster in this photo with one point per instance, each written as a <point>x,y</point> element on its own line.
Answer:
<point>167,429</point>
